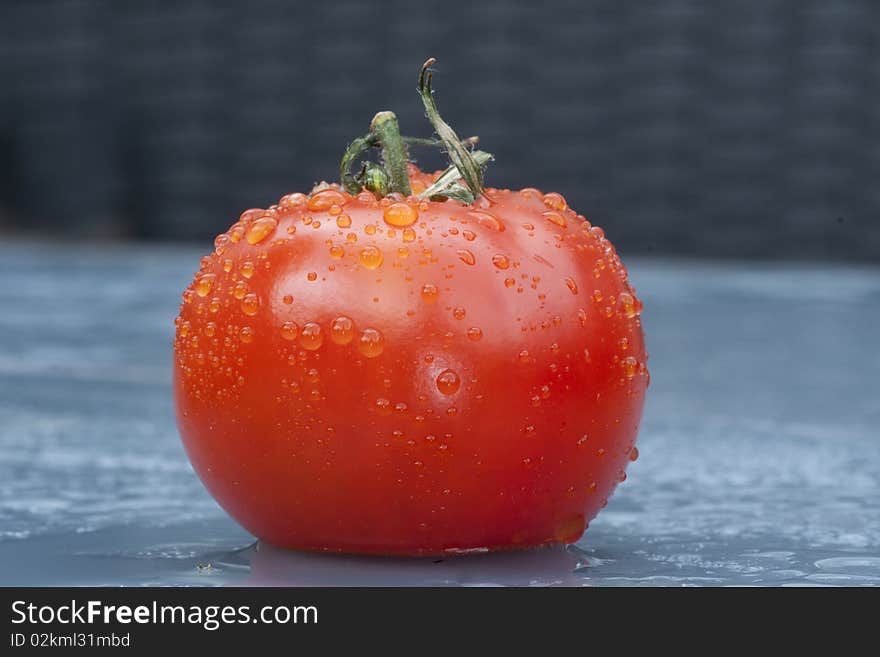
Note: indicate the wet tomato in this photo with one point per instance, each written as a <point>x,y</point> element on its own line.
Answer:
<point>404,376</point>
<point>411,376</point>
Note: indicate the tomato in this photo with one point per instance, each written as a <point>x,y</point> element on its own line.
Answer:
<point>411,376</point>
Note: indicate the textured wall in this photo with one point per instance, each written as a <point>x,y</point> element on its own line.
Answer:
<point>738,128</point>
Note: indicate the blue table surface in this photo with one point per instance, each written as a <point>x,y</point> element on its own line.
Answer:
<point>760,449</point>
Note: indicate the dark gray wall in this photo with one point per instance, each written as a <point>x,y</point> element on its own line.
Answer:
<point>741,128</point>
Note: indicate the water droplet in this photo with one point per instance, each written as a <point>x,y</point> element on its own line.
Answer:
<point>289,330</point>
<point>210,328</point>
<point>630,366</point>
<point>293,200</point>
<point>214,305</point>
<point>227,265</point>
<point>371,257</point>
<point>525,357</point>
<point>587,356</point>
<point>342,330</point>
<point>220,243</point>
<point>383,406</point>
<point>634,454</point>
<point>459,313</point>
<point>400,215</point>
<point>571,285</point>
<point>570,530</point>
<point>509,282</point>
<point>246,334</point>
<point>250,304</point>
<point>487,219</point>
<point>466,257</point>
<point>409,235</point>
<point>597,296</point>
<point>430,292</point>
<point>288,299</point>
<point>206,282</point>
<point>239,290</point>
<point>623,343</point>
<point>630,305</point>
<point>312,276</point>
<point>501,261</point>
<point>475,333</point>
<point>343,221</point>
<point>370,229</point>
<point>448,382</point>
<point>247,269</point>
<point>261,229</point>
<point>327,198</point>
<point>371,343</point>
<point>311,336</point>
<point>469,235</point>
<point>555,218</point>
<point>582,440</point>
<point>555,201</point>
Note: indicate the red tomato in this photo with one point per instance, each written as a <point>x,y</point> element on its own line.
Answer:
<point>411,377</point>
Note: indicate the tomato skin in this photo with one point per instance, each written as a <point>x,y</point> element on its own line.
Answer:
<point>482,389</point>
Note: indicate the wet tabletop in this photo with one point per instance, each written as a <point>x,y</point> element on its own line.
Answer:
<point>760,448</point>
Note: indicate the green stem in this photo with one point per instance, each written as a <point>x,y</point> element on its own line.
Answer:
<point>384,127</point>
<point>461,157</point>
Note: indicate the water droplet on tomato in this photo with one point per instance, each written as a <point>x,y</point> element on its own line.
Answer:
<point>327,198</point>
<point>630,366</point>
<point>371,343</point>
<point>250,304</point>
<point>555,201</point>
<point>487,219</point>
<point>459,313</point>
<point>288,299</point>
<point>247,269</point>
<point>239,290</point>
<point>383,406</point>
<point>570,530</point>
<point>466,257</point>
<point>630,305</point>
<point>343,221</point>
<point>371,257</point>
<point>246,334</point>
<point>475,333</point>
<point>342,330</point>
<point>448,382</point>
<point>260,230</point>
<point>289,330</point>
<point>501,261</point>
<point>429,292</point>
<point>205,283</point>
<point>634,454</point>
<point>210,328</point>
<point>312,276</point>
<point>400,215</point>
<point>311,336</point>
<point>571,285</point>
<point>555,218</point>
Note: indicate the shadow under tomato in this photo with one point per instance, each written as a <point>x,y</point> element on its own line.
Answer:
<point>549,566</point>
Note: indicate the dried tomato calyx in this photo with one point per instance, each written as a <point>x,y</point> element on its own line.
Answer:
<point>392,175</point>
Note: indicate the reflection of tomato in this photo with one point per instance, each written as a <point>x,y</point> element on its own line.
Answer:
<point>407,376</point>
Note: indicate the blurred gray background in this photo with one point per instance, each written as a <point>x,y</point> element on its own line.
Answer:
<point>744,129</point>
